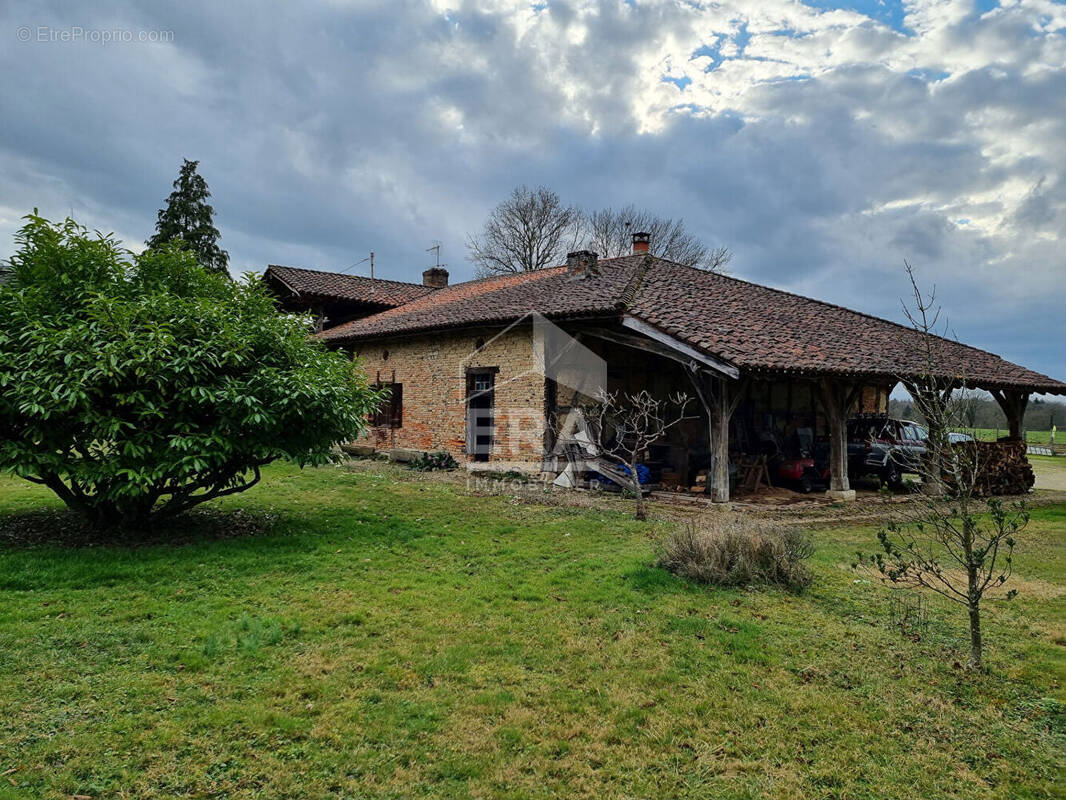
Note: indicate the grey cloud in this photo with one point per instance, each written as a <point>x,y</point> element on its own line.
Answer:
<point>325,130</point>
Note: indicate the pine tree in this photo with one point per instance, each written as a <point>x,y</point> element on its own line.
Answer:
<point>188,217</point>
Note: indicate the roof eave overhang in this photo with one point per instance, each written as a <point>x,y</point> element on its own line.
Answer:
<point>272,274</point>
<point>884,377</point>
<point>688,351</point>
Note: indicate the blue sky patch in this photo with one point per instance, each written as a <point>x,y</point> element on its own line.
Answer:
<point>887,12</point>
<point>680,83</point>
<point>711,51</point>
<point>928,75</point>
<point>742,38</point>
<point>714,51</point>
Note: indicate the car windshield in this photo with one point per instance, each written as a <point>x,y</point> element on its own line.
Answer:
<point>860,430</point>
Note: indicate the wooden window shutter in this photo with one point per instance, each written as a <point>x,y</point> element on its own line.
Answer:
<point>396,406</point>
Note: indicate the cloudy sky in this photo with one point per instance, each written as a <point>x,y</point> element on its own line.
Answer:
<point>823,142</point>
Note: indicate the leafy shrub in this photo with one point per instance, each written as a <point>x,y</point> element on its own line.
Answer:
<point>428,462</point>
<point>730,550</point>
<point>136,387</point>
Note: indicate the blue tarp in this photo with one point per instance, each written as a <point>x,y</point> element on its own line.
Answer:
<point>643,474</point>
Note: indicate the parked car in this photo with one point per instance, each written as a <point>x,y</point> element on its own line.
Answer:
<point>887,448</point>
<point>956,438</point>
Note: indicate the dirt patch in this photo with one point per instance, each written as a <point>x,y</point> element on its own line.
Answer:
<point>1050,473</point>
<point>807,510</point>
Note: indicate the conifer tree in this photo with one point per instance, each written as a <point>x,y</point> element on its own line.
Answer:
<point>188,217</point>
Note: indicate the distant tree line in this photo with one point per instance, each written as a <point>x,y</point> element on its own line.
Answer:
<point>978,410</point>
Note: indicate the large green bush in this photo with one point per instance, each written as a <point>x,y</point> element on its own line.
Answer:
<point>138,386</point>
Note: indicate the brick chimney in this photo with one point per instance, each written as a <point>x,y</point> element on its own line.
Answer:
<point>581,264</point>
<point>641,243</point>
<point>436,277</point>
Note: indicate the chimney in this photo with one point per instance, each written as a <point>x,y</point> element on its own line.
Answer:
<point>641,243</point>
<point>581,265</point>
<point>435,277</point>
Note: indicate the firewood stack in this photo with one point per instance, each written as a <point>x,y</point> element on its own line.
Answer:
<point>1002,468</point>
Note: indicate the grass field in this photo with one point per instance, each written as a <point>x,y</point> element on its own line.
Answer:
<point>992,434</point>
<point>391,637</point>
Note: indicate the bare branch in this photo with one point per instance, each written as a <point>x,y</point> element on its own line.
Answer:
<point>530,230</point>
<point>610,230</point>
<point>623,426</point>
<point>953,542</point>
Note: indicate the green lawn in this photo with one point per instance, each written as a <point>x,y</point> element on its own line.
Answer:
<point>391,636</point>
<point>1035,437</point>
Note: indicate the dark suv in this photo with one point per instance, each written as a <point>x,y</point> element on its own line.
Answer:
<point>884,447</point>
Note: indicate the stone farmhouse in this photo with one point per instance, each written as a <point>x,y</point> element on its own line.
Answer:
<point>480,368</point>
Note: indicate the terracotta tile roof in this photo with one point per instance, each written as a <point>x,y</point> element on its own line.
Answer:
<point>502,300</point>
<point>752,327</point>
<point>317,284</point>
<point>762,329</point>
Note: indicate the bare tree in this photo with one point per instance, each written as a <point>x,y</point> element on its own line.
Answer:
<point>969,406</point>
<point>530,230</point>
<point>934,394</point>
<point>950,540</point>
<point>623,425</point>
<point>609,233</point>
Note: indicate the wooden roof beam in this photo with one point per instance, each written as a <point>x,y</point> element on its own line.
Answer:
<point>679,350</point>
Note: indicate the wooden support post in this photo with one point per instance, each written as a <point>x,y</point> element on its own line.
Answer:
<point>837,398</point>
<point>718,429</point>
<point>720,398</point>
<point>1013,405</point>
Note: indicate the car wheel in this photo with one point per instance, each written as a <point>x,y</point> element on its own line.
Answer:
<point>892,477</point>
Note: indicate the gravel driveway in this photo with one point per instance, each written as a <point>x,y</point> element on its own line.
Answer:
<point>1050,472</point>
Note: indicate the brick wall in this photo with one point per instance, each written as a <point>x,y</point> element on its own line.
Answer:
<point>433,371</point>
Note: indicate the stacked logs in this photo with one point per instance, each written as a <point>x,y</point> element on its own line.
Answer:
<point>1002,467</point>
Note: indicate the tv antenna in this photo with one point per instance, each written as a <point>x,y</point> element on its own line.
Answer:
<point>369,258</point>
<point>364,260</point>
<point>356,264</point>
<point>436,249</point>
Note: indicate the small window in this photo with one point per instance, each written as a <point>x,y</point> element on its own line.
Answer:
<point>390,413</point>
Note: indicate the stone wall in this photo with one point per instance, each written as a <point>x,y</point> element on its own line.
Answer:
<point>433,370</point>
